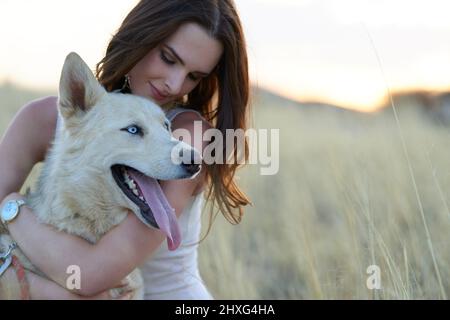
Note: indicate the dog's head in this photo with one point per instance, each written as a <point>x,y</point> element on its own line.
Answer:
<point>116,146</point>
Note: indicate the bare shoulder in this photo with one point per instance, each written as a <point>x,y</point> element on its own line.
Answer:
<point>44,108</point>
<point>187,119</point>
<point>39,117</point>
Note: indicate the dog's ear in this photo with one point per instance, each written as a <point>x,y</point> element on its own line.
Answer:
<point>79,91</point>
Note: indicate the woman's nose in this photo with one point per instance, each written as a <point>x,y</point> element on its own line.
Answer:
<point>174,83</point>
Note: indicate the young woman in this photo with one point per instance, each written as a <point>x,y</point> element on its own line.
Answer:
<point>190,57</point>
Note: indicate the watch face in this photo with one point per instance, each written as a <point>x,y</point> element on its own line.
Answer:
<point>9,210</point>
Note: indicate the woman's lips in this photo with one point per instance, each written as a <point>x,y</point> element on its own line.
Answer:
<point>156,94</point>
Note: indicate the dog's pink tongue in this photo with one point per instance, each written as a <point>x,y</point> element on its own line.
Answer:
<point>162,211</point>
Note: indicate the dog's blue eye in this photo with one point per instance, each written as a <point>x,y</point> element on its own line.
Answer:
<point>134,130</point>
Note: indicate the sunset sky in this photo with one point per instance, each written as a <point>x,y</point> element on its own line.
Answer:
<point>304,49</point>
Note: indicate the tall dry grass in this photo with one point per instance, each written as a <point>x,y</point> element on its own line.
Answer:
<point>344,199</point>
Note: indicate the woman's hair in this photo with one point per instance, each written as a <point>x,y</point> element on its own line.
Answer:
<point>222,98</point>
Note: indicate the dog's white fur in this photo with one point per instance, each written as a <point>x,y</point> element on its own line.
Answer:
<point>76,192</point>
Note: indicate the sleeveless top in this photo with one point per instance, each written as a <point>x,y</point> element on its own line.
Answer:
<point>170,273</point>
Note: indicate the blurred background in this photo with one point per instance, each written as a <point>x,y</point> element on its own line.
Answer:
<point>360,91</point>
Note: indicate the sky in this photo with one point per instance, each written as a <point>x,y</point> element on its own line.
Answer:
<point>346,52</point>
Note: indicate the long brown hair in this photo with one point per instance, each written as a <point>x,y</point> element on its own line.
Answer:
<point>222,98</point>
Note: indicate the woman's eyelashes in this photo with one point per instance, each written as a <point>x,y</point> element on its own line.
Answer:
<point>165,57</point>
<point>192,77</point>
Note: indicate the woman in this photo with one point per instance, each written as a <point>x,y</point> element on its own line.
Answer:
<point>185,53</point>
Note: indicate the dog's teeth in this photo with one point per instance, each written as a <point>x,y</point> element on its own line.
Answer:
<point>142,198</point>
<point>130,183</point>
<point>135,192</point>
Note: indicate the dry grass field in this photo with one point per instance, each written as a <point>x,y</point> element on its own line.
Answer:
<point>353,190</point>
<point>343,200</point>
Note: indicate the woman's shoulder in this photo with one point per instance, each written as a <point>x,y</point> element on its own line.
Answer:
<point>43,111</point>
<point>40,116</point>
<point>45,102</point>
<point>45,107</point>
<point>187,118</point>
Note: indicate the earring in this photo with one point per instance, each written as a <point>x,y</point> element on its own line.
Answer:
<point>126,85</point>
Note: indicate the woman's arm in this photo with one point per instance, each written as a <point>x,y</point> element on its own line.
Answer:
<point>120,251</point>
<point>44,289</point>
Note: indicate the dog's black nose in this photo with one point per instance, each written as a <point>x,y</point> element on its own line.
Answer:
<point>191,168</point>
<point>191,165</point>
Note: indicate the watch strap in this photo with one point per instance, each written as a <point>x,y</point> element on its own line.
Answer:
<point>20,202</point>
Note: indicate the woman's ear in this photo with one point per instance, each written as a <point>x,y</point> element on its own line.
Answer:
<point>79,91</point>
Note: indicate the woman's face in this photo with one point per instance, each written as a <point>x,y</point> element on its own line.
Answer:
<point>176,66</point>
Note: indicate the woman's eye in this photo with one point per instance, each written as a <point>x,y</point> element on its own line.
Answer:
<point>192,77</point>
<point>166,59</point>
<point>134,130</point>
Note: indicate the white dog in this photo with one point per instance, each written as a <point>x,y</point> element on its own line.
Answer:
<point>109,149</point>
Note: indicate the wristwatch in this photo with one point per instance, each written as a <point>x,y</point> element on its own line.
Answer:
<point>10,210</point>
